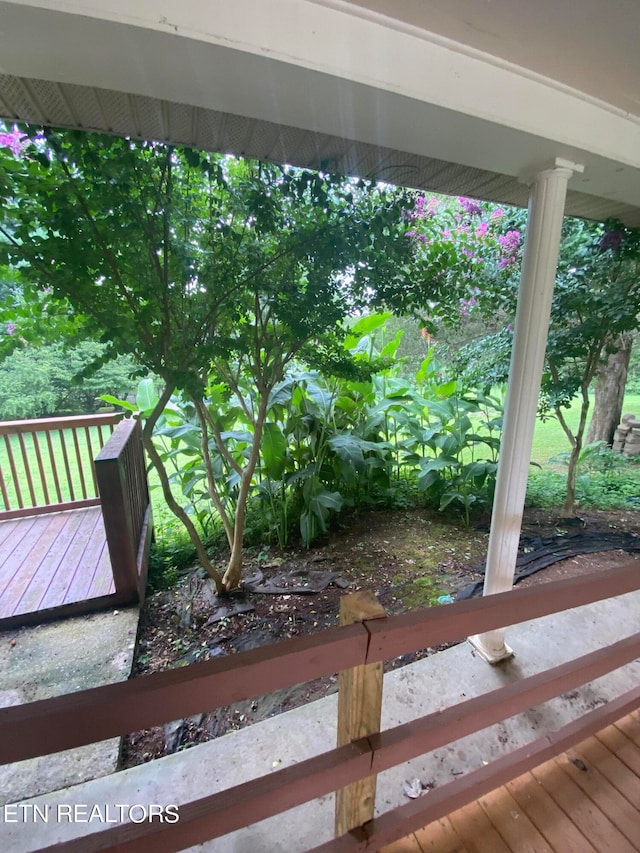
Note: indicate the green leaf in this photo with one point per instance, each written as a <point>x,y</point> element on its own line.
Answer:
<point>146,397</point>
<point>114,401</point>
<point>274,449</point>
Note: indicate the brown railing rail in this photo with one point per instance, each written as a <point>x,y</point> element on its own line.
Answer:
<point>46,726</point>
<point>124,495</point>
<point>46,465</point>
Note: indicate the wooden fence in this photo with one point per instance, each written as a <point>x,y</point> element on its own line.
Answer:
<point>126,509</point>
<point>43,727</point>
<point>50,462</point>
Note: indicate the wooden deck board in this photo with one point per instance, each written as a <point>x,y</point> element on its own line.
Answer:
<point>102,582</point>
<point>54,562</point>
<point>547,815</point>
<point>512,823</point>
<point>49,562</point>
<point>600,791</point>
<point>440,837</point>
<point>24,572</point>
<point>5,529</point>
<point>584,800</point>
<point>77,561</point>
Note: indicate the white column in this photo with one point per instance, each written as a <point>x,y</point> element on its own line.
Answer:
<point>548,189</point>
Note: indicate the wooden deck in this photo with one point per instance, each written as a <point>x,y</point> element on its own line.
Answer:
<point>53,565</point>
<point>583,801</point>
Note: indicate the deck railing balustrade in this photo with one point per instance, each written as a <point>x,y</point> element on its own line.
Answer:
<point>126,509</point>
<point>61,465</point>
<point>75,719</point>
<point>46,465</point>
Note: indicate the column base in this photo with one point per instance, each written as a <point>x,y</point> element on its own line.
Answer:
<point>488,654</point>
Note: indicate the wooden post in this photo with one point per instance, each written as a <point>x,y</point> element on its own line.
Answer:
<point>359,713</point>
<point>122,546</point>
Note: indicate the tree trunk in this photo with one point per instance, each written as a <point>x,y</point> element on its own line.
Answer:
<point>572,473</point>
<point>609,397</point>
<point>576,440</point>
<point>174,506</point>
<point>233,574</point>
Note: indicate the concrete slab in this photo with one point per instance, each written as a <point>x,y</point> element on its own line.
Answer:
<point>51,660</point>
<point>410,692</point>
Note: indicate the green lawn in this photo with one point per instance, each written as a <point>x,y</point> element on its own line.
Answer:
<point>549,438</point>
<point>52,458</point>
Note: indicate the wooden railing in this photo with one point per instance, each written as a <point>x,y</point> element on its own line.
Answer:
<point>40,728</point>
<point>46,465</point>
<point>124,495</point>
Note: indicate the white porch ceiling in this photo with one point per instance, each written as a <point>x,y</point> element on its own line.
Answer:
<point>362,87</point>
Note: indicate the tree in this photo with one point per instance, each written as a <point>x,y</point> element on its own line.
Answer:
<point>37,381</point>
<point>594,311</point>
<point>210,271</point>
<point>596,305</point>
<point>609,392</point>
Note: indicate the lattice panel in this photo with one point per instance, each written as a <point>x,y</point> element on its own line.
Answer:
<point>52,105</point>
<point>21,103</point>
<point>85,105</point>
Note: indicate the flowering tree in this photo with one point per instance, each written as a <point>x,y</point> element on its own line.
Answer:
<point>596,305</point>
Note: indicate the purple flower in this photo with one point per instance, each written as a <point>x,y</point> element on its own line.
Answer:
<point>11,327</point>
<point>497,213</point>
<point>510,241</point>
<point>470,206</point>
<point>14,140</point>
<point>481,230</point>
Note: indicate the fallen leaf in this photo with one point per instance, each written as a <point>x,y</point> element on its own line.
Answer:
<point>412,788</point>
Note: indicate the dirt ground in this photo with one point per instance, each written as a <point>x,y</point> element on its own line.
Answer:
<point>408,558</point>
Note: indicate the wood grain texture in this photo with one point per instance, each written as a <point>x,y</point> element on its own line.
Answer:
<point>359,714</point>
<point>52,562</point>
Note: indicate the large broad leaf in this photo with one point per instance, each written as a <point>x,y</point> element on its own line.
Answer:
<point>389,350</point>
<point>114,401</point>
<point>347,448</point>
<point>438,463</point>
<point>329,500</point>
<point>365,326</point>
<point>180,431</point>
<point>146,397</point>
<point>447,389</point>
<point>274,449</point>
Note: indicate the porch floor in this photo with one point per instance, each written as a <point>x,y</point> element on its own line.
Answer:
<point>585,800</point>
<point>55,564</point>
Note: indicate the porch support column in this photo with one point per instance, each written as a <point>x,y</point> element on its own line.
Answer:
<point>548,189</point>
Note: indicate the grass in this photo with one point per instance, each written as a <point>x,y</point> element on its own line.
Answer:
<point>549,438</point>
<point>605,481</point>
<point>77,459</point>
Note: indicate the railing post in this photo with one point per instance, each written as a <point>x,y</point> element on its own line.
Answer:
<point>359,714</point>
<point>111,476</point>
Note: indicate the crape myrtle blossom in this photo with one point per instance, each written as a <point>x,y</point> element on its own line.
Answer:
<point>15,140</point>
<point>463,244</point>
<point>470,206</point>
<point>510,244</point>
